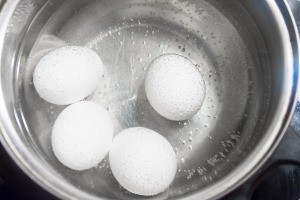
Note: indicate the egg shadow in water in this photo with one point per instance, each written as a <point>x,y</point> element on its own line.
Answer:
<point>147,117</point>
<point>122,193</point>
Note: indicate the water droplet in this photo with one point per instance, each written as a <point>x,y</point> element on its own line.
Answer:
<point>119,33</point>
<point>190,148</point>
<point>121,42</point>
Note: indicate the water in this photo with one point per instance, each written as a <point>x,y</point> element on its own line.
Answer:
<point>128,35</point>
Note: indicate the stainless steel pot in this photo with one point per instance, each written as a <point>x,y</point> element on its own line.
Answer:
<point>243,48</point>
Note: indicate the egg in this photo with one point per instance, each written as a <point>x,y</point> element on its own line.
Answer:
<point>174,87</point>
<point>142,161</point>
<point>82,135</point>
<point>67,74</point>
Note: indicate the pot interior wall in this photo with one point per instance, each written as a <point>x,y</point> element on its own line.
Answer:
<point>228,44</point>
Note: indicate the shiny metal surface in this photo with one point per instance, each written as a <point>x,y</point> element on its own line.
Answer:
<point>295,8</point>
<point>241,47</point>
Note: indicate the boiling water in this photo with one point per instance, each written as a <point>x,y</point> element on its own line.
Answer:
<point>128,35</point>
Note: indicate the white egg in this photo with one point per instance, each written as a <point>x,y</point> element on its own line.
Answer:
<point>82,135</point>
<point>142,161</point>
<point>174,87</point>
<point>67,74</point>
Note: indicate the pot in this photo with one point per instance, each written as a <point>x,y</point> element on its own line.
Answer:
<point>247,52</point>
